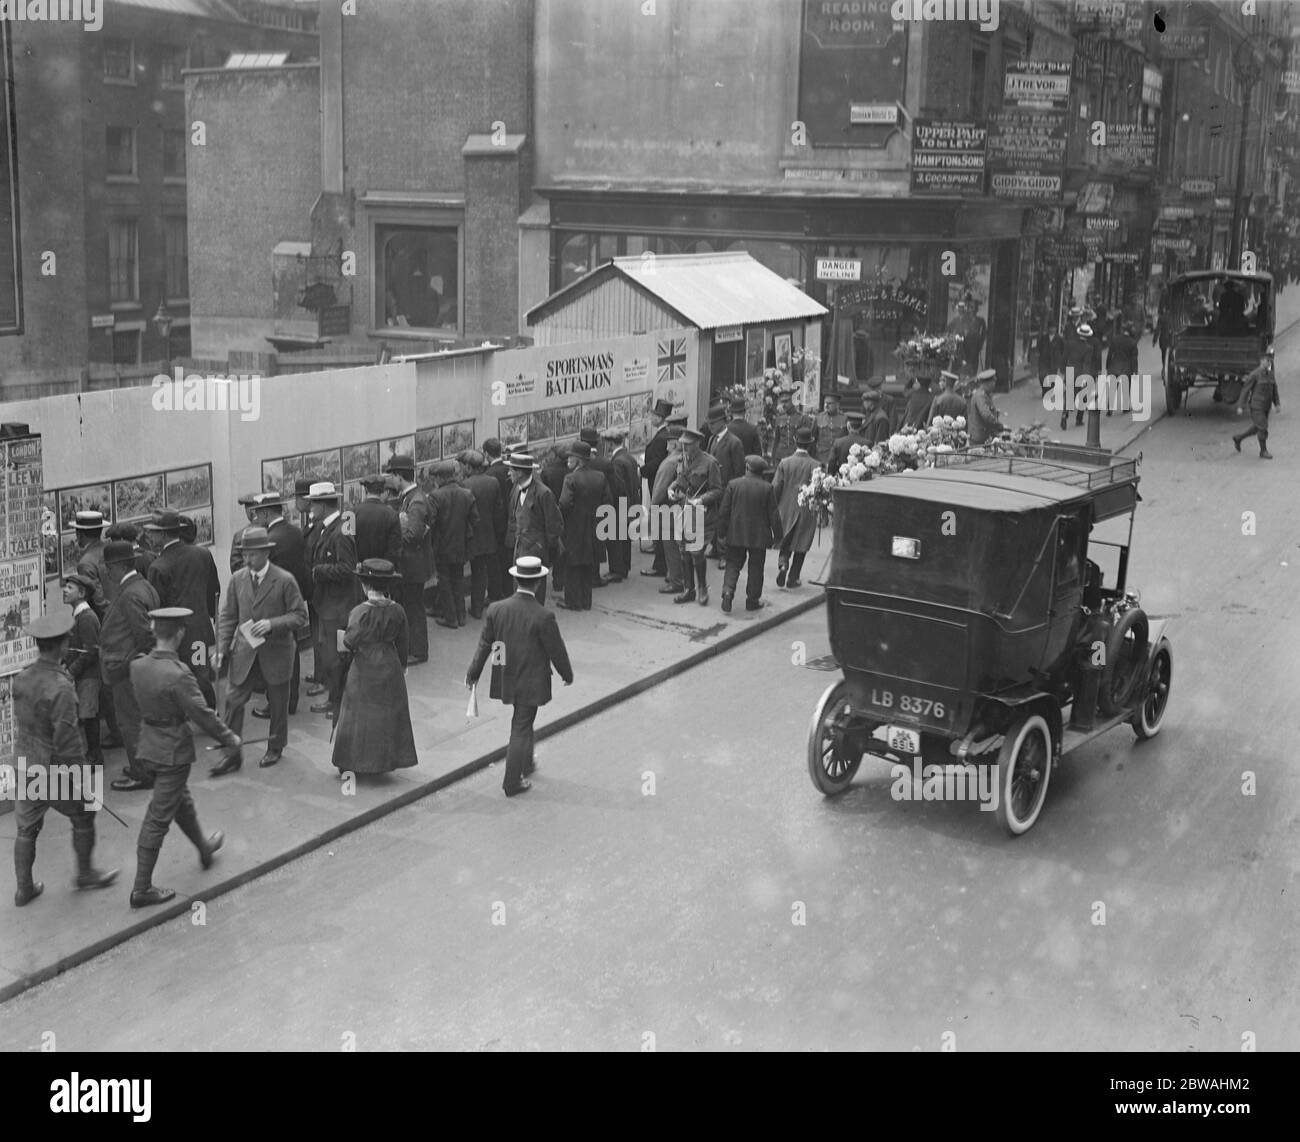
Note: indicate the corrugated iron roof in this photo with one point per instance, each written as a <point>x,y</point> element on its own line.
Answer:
<point>709,291</point>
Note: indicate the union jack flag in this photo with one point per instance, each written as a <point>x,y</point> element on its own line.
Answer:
<point>672,359</point>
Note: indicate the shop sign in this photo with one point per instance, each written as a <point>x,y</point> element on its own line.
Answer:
<point>839,269</point>
<point>1157,268</point>
<point>1161,242</point>
<point>1125,257</point>
<point>874,113</point>
<point>885,302</point>
<point>1223,205</point>
<point>1172,213</point>
<point>948,157</point>
<point>1105,222</point>
<point>1038,84</point>
<point>1026,154</point>
<point>727,333</point>
<point>1197,187</point>
<point>1185,43</point>
<point>102,320</point>
<point>1027,186</point>
<point>1044,219</point>
<point>1129,145</point>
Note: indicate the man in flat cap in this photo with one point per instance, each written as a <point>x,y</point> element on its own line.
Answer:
<point>484,568</point>
<point>876,426</point>
<point>126,635</point>
<point>748,523</point>
<point>89,526</point>
<point>629,473</point>
<point>416,563</point>
<point>170,699</point>
<point>748,435</point>
<point>332,562</point>
<point>261,613</point>
<point>186,576</point>
<point>248,501</point>
<point>289,553</point>
<point>47,735</point>
<point>585,491</point>
<point>656,451</point>
<point>453,519</point>
<point>534,526</point>
<point>82,660</point>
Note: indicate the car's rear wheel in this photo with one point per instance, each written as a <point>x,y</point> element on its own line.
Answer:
<point>1150,714</point>
<point>834,752</point>
<point>1024,773</point>
<point>1126,652</point>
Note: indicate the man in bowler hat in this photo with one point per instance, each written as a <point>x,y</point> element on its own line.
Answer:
<point>186,576</point>
<point>289,553</point>
<point>524,642</point>
<point>533,522</point>
<point>125,636</point>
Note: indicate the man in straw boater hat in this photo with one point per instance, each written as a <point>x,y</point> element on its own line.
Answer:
<point>332,561</point>
<point>82,660</point>
<point>89,527</point>
<point>170,699</point>
<point>125,635</point>
<point>186,576</point>
<point>656,452</point>
<point>530,646</point>
<point>533,523</point>
<point>260,615</point>
<point>412,507</point>
<point>47,734</point>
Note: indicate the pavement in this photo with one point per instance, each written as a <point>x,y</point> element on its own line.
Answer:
<point>632,639</point>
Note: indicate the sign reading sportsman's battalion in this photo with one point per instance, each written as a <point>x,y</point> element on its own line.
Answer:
<point>948,157</point>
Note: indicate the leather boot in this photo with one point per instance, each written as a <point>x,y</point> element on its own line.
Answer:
<point>208,845</point>
<point>83,844</point>
<point>90,727</point>
<point>702,590</point>
<point>143,893</point>
<point>24,859</point>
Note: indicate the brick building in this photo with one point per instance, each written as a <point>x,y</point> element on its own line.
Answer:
<point>102,146</point>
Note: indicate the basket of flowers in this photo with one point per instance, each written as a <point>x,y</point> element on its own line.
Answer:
<point>1027,440</point>
<point>926,355</point>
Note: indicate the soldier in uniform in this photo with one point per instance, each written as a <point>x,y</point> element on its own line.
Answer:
<point>45,720</point>
<point>248,501</point>
<point>698,485</point>
<point>169,699</point>
<point>787,422</point>
<point>947,403</point>
<point>840,450</point>
<point>982,418</point>
<point>829,427</point>
<point>876,428</point>
<point>1260,393</point>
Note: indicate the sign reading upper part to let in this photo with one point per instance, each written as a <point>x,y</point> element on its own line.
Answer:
<point>852,67</point>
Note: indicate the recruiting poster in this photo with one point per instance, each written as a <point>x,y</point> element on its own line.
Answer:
<point>24,501</point>
<point>22,586</point>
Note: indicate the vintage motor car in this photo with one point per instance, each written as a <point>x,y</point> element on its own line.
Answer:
<point>1220,325</point>
<point>972,627</point>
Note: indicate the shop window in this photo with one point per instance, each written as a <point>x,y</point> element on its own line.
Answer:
<point>120,147</point>
<point>177,257</point>
<point>417,275</point>
<point>123,261</point>
<point>174,154</point>
<point>119,60</point>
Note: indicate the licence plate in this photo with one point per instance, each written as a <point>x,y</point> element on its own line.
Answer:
<point>904,741</point>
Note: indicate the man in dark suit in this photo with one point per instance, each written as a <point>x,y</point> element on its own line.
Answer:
<point>727,450</point>
<point>186,576</point>
<point>248,501</point>
<point>170,700</point>
<point>379,528</point>
<point>591,438</point>
<point>490,502</point>
<point>90,558</point>
<point>554,468</point>
<point>267,597</point>
<point>531,644</point>
<point>496,468</point>
<point>332,560</point>
<point>125,635</point>
<point>748,435</point>
<point>453,519</point>
<point>417,554</point>
<point>308,527</point>
<point>533,522</point>
<point>656,452</point>
<point>629,471</point>
<point>289,553</point>
<point>585,491</point>
<point>748,523</point>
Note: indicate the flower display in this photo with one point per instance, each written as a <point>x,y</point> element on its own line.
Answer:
<point>816,495</point>
<point>929,349</point>
<point>1023,441</point>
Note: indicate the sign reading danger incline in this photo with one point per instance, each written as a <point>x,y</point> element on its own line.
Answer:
<point>947,157</point>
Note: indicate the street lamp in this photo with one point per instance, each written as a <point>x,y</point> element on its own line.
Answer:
<point>163,322</point>
<point>1247,69</point>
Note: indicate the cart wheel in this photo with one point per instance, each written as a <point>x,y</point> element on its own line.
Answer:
<point>1173,393</point>
<point>1151,714</point>
<point>1126,651</point>
<point>829,765</point>
<point>1024,772</point>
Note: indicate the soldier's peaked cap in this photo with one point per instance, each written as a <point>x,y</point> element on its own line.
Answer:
<point>171,614</point>
<point>51,626</point>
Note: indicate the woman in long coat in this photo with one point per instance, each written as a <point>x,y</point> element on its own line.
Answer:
<point>799,523</point>
<point>374,734</point>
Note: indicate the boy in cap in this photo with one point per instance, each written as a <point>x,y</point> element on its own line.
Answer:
<point>46,731</point>
<point>170,699</point>
<point>82,660</point>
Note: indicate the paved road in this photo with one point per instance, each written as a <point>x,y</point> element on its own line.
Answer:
<point>624,914</point>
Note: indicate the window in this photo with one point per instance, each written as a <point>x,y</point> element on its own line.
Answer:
<point>171,62</point>
<point>119,60</point>
<point>176,255</point>
<point>979,67</point>
<point>417,277</point>
<point>120,146</point>
<point>174,154</point>
<point>123,261</point>
<point>126,347</point>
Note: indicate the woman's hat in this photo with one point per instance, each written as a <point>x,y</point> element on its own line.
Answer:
<point>529,567</point>
<point>255,539</point>
<point>376,571</point>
